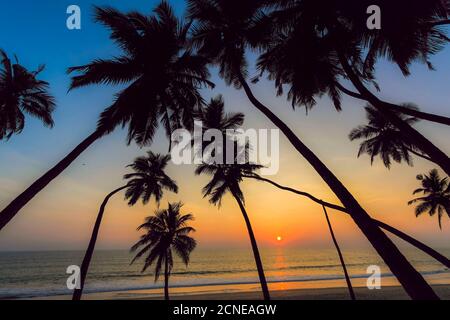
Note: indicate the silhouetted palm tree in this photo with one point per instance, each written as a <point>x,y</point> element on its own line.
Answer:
<point>383,139</point>
<point>223,30</point>
<point>318,43</point>
<point>163,79</point>
<point>22,93</point>
<point>414,242</point>
<point>148,180</point>
<point>436,195</point>
<point>226,178</point>
<point>215,117</point>
<point>166,232</point>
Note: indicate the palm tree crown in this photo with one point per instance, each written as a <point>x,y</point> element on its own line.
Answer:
<point>148,179</point>
<point>166,231</point>
<point>163,77</point>
<point>224,29</point>
<point>225,178</point>
<point>311,36</point>
<point>21,92</point>
<point>382,138</point>
<point>213,116</point>
<point>436,195</point>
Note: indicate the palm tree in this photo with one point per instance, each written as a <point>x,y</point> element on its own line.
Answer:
<point>226,178</point>
<point>414,242</point>
<point>22,92</point>
<point>166,232</point>
<point>318,43</point>
<point>148,180</point>
<point>436,195</point>
<point>385,140</point>
<point>213,116</point>
<point>163,80</point>
<point>223,30</point>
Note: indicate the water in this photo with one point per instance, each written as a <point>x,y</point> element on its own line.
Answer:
<point>39,274</point>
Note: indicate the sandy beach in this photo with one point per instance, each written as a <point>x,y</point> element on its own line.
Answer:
<point>314,290</point>
<point>387,293</point>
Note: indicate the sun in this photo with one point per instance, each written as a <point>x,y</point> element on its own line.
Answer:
<point>279,238</point>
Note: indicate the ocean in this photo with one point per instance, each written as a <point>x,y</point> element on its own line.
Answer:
<point>41,274</point>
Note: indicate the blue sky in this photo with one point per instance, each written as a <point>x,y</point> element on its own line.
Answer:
<point>36,31</point>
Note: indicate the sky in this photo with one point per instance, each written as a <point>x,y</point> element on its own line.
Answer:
<point>62,215</point>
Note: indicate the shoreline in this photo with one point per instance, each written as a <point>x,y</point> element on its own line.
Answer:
<point>362,293</point>
<point>311,290</point>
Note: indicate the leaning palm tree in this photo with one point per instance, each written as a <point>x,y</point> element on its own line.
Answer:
<point>436,195</point>
<point>166,231</point>
<point>383,139</point>
<point>148,180</point>
<point>222,31</point>
<point>21,92</point>
<point>226,178</point>
<point>163,81</point>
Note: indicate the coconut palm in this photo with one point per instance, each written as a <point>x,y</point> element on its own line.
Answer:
<point>161,76</point>
<point>21,92</point>
<point>226,178</point>
<point>436,195</point>
<point>147,181</point>
<point>215,117</point>
<point>383,139</point>
<point>318,43</point>
<point>166,233</point>
<point>223,30</point>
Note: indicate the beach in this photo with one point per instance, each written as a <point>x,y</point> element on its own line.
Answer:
<point>387,293</point>
<point>228,274</point>
<point>292,291</point>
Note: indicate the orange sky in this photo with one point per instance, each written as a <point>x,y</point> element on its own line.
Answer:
<point>62,216</point>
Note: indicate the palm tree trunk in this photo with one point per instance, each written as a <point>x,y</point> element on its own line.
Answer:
<point>90,250</point>
<point>341,257</point>
<point>411,280</point>
<point>419,154</point>
<point>399,108</point>
<point>426,146</point>
<point>20,201</point>
<point>259,265</point>
<point>414,242</point>
<point>166,280</point>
